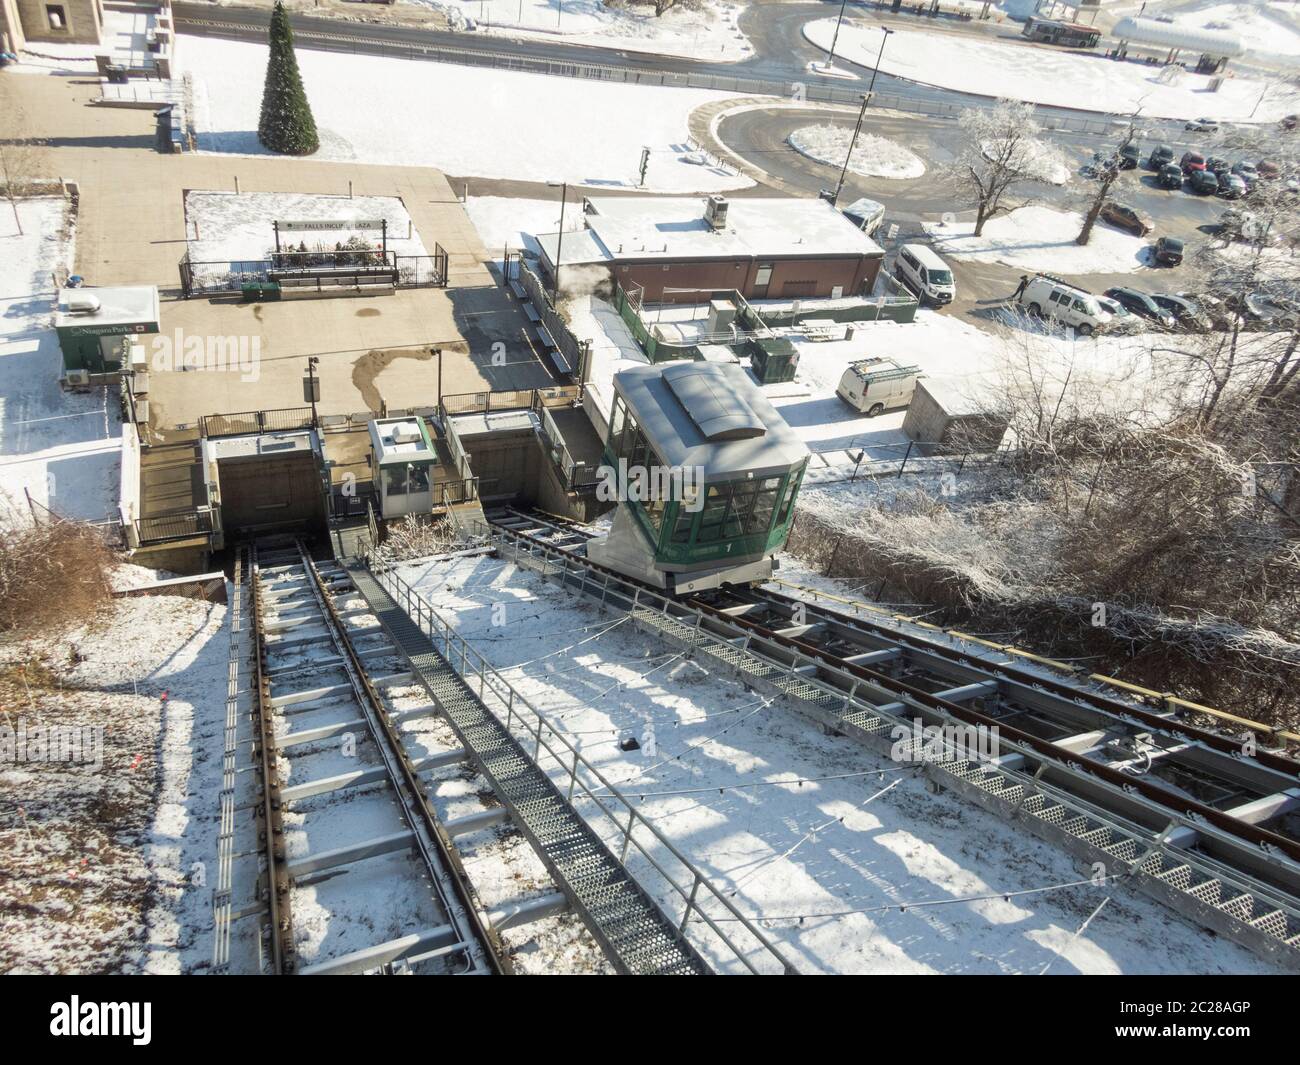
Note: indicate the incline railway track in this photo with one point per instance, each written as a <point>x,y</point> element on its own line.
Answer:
<point>349,866</point>
<point>1206,821</point>
<point>315,695</point>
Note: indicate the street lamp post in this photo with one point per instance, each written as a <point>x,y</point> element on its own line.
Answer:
<point>830,59</point>
<point>885,31</point>
<point>862,113</point>
<point>559,241</point>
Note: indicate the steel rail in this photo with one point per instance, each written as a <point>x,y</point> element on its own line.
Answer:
<point>1068,806</point>
<point>443,862</point>
<point>1178,806</point>
<point>271,822</point>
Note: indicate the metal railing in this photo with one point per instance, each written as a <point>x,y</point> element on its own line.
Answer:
<point>173,526</point>
<point>557,756</point>
<point>356,43</point>
<point>286,419</point>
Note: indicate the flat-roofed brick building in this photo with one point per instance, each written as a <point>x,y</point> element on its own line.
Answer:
<point>675,247</point>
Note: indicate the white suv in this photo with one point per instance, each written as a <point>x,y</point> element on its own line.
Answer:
<point>1050,297</point>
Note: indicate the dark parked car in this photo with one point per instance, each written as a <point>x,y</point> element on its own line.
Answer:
<point>1192,161</point>
<point>1128,157</point>
<point>1170,176</point>
<point>1160,155</point>
<point>1123,217</point>
<point>1232,186</point>
<point>1142,305</point>
<point>1289,122</point>
<point>1203,125</point>
<point>1169,251</point>
<point>1247,173</point>
<point>1203,181</point>
<point>1187,312</point>
<point>1217,165</point>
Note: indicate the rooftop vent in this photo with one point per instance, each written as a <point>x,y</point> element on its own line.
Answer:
<point>711,401</point>
<point>715,212</point>
<point>83,303</point>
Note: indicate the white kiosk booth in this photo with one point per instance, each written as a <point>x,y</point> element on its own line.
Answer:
<point>401,456</point>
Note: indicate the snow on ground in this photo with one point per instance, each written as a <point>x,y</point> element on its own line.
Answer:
<point>1049,169</point>
<point>467,121</point>
<point>61,449</point>
<point>1051,76</point>
<point>872,156</point>
<point>106,865</point>
<point>1264,26</point>
<point>708,32</point>
<point>235,226</point>
<point>827,847</point>
<point>503,220</point>
<point>1042,238</point>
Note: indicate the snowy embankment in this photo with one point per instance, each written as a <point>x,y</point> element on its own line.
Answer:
<point>467,121</point>
<point>872,156</point>
<point>60,450</point>
<point>1041,238</point>
<point>107,862</point>
<point>1083,80</point>
<point>792,823</point>
<point>706,31</point>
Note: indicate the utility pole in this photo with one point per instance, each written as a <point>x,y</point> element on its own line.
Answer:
<point>559,242</point>
<point>862,113</point>
<point>312,387</point>
<point>830,58</point>
<point>871,89</point>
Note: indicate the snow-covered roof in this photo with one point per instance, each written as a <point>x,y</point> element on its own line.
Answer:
<point>723,401</point>
<point>120,305</point>
<point>578,247</point>
<point>673,227</point>
<point>1174,35</point>
<point>401,440</point>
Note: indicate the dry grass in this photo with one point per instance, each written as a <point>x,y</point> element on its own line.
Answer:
<point>51,576</point>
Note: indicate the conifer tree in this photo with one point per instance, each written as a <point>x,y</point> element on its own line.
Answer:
<point>287,125</point>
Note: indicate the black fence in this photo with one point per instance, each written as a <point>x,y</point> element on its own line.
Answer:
<point>284,420</point>
<point>173,527</point>
<point>220,277</point>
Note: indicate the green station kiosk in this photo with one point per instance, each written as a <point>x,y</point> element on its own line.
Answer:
<point>97,327</point>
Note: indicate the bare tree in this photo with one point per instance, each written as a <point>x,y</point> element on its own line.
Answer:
<point>1105,172</point>
<point>1004,150</point>
<point>19,158</point>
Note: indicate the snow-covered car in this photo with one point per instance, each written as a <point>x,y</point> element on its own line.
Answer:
<point>1049,297</point>
<point>1202,125</point>
<point>865,213</point>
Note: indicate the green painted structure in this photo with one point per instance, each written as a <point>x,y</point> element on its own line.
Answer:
<point>96,326</point>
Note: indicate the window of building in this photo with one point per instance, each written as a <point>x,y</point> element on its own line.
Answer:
<point>764,274</point>
<point>56,16</point>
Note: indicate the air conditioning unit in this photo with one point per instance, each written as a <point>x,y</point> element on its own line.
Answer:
<point>76,379</point>
<point>715,212</point>
<point>81,302</point>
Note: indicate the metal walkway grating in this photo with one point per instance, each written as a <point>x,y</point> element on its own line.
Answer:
<point>636,934</point>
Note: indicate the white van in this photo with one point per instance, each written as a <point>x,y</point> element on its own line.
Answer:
<point>874,385</point>
<point>925,273</point>
<point>1050,297</point>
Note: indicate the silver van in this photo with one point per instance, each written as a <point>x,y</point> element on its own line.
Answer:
<point>921,270</point>
<point>873,385</point>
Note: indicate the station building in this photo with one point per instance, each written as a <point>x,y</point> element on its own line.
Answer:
<point>670,249</point>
